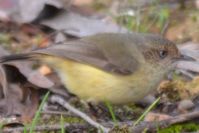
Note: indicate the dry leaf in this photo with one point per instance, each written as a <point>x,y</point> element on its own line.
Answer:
<point>76,25</point>
<point>156,117</point>
<point>25,68</point>
<point>20,94</point>
<point>20,102</point>
<point>17,10</point>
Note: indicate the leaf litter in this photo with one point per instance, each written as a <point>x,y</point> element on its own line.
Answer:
<point>20,86</point>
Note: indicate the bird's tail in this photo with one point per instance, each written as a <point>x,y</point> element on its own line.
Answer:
<point>26,56</point>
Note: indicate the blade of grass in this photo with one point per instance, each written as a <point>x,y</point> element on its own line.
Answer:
<point>1,127</point>
<point>109,106</point>
<point>25,129</point>
<point>37,115</point>
<point>62,124</point>
<point>146,111</point>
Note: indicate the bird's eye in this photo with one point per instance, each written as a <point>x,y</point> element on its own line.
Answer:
<point>163,53</point>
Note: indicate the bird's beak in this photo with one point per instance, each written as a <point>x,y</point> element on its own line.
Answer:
<point>184,58</point>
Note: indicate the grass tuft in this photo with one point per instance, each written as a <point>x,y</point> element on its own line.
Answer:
<point>37,115</point>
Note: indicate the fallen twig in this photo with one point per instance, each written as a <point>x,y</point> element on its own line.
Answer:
<point>153,126</point>
<point>55,127</point>
<point>61,101</point>
<point>59,113</point>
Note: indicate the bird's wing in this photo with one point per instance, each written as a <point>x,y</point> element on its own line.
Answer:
<point>92,51</point>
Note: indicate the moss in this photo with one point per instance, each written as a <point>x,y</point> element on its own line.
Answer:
<point>117,129</point>
<point>53,119</point>
<point>73,120</point>
<point>100,5</point>
<point>5,38</point>
<point>178,128</point>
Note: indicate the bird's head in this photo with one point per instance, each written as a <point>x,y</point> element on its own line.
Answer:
<point>160,51</point>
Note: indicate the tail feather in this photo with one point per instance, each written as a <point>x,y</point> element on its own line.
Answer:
<point>16,57</point>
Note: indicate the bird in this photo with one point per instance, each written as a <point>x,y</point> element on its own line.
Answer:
<point>115,67</point>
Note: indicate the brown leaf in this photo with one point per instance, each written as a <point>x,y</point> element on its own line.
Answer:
<point>76,25</point>
<point>20,86</point>
<point>25,68</point>
<point>156,117</point>
<point>20,102</point>
<point>37,79</point>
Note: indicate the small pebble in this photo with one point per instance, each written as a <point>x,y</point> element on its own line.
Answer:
<point>148,100</point>
<point>185,104</point>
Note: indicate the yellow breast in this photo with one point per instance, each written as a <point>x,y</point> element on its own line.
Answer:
<point>93,84</point>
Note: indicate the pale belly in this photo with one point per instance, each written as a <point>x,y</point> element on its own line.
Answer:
<point>92,84</point>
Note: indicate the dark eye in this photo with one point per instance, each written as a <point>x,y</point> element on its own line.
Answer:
<point>163,53</point>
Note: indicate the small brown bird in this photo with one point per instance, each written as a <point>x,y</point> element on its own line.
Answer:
<point>114,67</point>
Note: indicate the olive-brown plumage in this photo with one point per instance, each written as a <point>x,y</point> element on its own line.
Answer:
<point>113,67</point>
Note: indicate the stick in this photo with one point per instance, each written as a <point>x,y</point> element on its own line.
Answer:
<point>61,101</point>
<point>55,127</point>
<point>152,126</point>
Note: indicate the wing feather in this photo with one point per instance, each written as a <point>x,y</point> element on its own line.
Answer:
<point>110,53</point>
